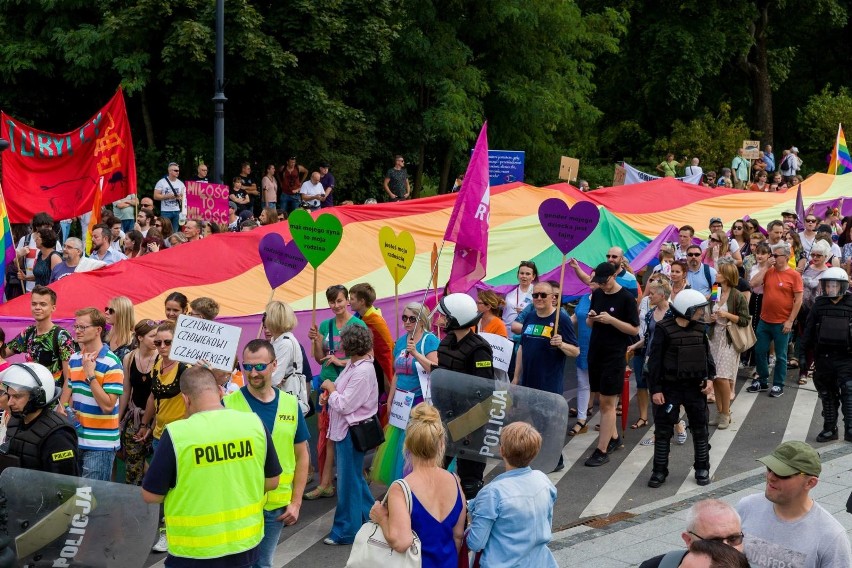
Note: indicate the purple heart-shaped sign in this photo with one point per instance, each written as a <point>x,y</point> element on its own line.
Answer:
<point>281,261</point>
<point>567,226</point>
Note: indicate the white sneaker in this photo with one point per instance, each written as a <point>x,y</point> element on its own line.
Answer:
<point>162,544</point>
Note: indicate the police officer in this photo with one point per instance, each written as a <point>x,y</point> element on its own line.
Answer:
<point>827,332</point>
<point>39,438</point>
<point>212,470</point>
<point>462,351</point>
<point>280,413</point>
<point>679,364</point>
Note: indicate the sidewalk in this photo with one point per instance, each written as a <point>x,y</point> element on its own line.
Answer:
<point>656,528</point>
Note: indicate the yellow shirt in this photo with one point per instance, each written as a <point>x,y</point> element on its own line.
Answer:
<point>169,409</point>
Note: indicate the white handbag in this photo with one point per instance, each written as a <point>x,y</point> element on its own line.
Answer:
<point>371,550</point>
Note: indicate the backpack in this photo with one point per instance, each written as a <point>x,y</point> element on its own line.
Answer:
<point>295,382</point>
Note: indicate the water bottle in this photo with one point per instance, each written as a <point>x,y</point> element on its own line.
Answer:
<point>72,418</point>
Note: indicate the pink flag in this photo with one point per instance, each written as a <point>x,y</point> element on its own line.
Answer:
<point>468,226</point>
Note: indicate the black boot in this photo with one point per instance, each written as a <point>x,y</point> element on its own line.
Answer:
<point>846,406</point>
<point>829,417</point>
<point>662,446</point>
<point>702,457</point>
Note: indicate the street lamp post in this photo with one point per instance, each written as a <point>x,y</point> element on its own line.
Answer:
<point>219,98</point>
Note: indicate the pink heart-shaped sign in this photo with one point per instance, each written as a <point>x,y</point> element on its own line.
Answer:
<point>281,261</point>
<point>567,226</point>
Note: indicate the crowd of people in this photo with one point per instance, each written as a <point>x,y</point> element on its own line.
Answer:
<point>111,390</point>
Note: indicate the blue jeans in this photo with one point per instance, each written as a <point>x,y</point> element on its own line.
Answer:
<point>65,227</point>
<point>354,499</point>
<point>637,363</point>
<point>174,217</point>
<point>127,225</point>
<point>271,534</point>
<point>290,203</point>
<point>767,333</point>
<point>97,464</point>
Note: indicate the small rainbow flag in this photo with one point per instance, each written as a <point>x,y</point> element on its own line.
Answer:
<point>714,293</point>
<point>7,247</point>
<point>841,162</point>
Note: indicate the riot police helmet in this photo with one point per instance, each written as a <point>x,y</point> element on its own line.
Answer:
<point>834,282</point>
<point>35,379</point>
<point>690,304</point>
<point>460,311</point>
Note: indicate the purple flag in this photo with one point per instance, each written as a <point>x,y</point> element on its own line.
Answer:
<point>800,210</point>
<point>468,226</point>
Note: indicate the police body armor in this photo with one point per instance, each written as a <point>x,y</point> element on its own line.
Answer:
<point>455,355</point>
<point>686,356</point>
<point>833,334</point>
<point>26,444</point>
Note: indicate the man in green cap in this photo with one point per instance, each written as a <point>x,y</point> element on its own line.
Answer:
<point>784,526</point>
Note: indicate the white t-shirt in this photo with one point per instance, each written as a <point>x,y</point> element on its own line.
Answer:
<point>31,258</point>
<point>733,245</point>
<point>806,242</point>
<point>517,298</point>
<point>692,170</point>
<point>179,192</point>
<point>309,189</point>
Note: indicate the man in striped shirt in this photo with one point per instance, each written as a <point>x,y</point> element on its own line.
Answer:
<point>96,384</point>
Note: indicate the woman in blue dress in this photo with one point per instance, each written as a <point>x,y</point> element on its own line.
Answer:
<point>413,352</point>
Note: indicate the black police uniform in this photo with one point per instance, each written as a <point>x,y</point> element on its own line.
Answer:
<point>48,443</point>
<point>679,363</point>
<point>827,332</point>
<point>470,355</point>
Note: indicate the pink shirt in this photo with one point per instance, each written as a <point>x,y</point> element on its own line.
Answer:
<point>355,400</point>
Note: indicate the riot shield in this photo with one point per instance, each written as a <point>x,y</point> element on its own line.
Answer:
<point>58,520</point>
<point>475,411</point>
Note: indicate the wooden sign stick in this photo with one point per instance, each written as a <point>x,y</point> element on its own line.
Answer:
<point>559,294</point>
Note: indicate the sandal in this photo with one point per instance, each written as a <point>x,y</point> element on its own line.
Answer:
<point>618,409</point>
<point>641,423</point>
<point>579,428</point>
<point>793,364</point>
<point>597,427</point>
<point>572,412</point>
<point>319,493</point>
<point>803,379</point>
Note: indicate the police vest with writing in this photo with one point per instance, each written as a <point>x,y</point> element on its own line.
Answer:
<point>283,433</point>
<point>26,443</point>
<point>216,508</point>
<point>458,355</point>
<point>685,359</point>
<point>833,324</point>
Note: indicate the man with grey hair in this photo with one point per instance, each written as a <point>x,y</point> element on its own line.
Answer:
<point>625,278</point>
<point>782,298</point>
<point>73,260</point>
<point>710,519</point>
<point>693,169</point>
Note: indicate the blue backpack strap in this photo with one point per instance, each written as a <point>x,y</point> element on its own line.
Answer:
<point>707,276</point>
<point>672,559</point>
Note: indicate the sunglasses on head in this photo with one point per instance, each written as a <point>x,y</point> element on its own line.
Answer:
<point>259,367</point>
<point>161,342</point>
<point>540,295</point>
<point>409,319</point>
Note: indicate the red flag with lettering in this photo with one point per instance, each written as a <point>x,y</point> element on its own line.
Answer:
<point>58,173</point>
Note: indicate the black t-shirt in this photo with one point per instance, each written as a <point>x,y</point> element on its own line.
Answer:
<point>607,341</point>
<point>247,181</point>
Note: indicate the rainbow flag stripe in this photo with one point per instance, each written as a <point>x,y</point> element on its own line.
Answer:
<point>841,162</point>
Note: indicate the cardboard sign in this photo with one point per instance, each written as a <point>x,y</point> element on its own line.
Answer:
<point>501,348</point>
<point>398,252</point>
<point>207,201</point>
<point>400,408</point>
<point>197,338</point>
<point>568,168</point>
<point>751,149</point>
<point>316,238</point>
<point>567,226</point>
<point>281,261</point>
<point>619,175</point>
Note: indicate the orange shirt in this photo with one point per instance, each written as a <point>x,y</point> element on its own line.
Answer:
<point>495,326</point>
<point>779,289</point>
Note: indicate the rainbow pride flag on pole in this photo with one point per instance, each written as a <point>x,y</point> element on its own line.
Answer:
<point>7,247</point>
<point>840,163</point>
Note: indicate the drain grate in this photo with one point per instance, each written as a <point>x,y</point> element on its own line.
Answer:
<point>597,522</point>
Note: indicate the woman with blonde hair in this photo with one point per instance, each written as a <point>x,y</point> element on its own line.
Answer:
<point>119,314</point>
<point>279,320</point>
<point>435,494</point>
<point>413,352</point>
<point>490,305</point>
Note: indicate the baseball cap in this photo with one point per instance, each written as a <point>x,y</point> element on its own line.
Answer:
<point>791,458</point>
<point>324,165</point>
<point>232,205</point>
<point>794,150</point>
<point>715,220</point>
<point>602,273</point>
<point>790,212</point>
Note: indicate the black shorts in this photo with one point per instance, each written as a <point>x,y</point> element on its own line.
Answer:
<point>606,375</point>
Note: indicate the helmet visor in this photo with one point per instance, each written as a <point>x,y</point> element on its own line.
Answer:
<point>833,288</point>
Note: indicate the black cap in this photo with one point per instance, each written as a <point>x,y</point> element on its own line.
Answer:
<point>603,272</point>
<point>324,165</point>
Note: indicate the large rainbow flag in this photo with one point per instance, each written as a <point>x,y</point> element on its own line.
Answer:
<point>840,163</point>
<point>7,247</point>
<point>227,266</point>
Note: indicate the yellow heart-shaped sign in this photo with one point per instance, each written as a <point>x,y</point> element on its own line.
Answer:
<point>398,252</point>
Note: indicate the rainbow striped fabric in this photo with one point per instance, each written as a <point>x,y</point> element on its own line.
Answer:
<point>841,162</point>
<point>7,247</point>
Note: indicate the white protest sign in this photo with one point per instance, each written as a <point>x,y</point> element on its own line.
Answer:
<point>197,338</point>
<point>501,348</point>
<point>425,383</point>
<point>400,408</point>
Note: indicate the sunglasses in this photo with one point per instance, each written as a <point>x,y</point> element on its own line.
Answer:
<point>409,319</point>
<point>259,367</point>
<point>612,256</point>
<point>740,228</point>
<point>109,310</point>
<point>693,254</point>
<point>731,540</point>
<point>540,295</point>
<point>777,255</point>
<point>161,342</point>
<point>810,220</point>
<point>783,476</point>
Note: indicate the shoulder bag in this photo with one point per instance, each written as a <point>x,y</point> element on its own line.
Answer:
<point>367,434</point>
<point>742,337</point>
<point>371,549</point>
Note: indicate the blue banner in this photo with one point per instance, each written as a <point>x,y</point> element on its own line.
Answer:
<point>505,166</point>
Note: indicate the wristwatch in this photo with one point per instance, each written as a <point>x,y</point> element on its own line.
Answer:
<point>89,379</point>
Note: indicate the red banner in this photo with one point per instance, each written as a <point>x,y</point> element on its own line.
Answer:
<point>59,173</point>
